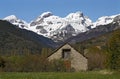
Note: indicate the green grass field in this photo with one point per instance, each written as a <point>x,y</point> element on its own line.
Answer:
<point>59,75</point>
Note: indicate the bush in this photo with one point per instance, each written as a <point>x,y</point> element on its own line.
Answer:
<point>114,50</point>
<point>96,58</point>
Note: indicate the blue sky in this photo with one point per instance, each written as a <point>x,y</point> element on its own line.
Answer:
<point>29,9</point>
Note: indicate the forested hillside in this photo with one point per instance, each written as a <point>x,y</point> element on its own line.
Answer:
<point>14,40</point>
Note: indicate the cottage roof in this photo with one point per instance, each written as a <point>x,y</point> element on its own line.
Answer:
<point>64,45</point>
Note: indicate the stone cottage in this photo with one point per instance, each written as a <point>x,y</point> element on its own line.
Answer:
<point>66,52</point>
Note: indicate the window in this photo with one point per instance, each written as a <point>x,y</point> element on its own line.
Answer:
<point>66,53</point>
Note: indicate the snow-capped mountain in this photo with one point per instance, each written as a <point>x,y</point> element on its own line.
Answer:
<point>104,20</point>
<point>14,20</point>
<point>58,28</point>
<point>55,27</point>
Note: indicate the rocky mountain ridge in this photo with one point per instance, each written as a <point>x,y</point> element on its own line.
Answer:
<point>60,29</point>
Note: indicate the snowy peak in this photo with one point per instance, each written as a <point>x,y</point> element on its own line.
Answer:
<point>14,20</point>
<point>79,22</point>
<point>10,17</point>
<point>46,14</point>
<point>75,16</point>
<point>79,17</point>
<point>104,20</point>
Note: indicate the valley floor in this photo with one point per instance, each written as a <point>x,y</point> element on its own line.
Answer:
<point>60,75</point>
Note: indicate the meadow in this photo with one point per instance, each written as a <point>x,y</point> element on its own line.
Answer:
<point>60,75</point>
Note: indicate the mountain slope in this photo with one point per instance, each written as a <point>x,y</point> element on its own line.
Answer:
<point>16,40</point>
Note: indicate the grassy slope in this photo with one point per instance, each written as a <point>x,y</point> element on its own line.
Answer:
<point>53,75</point>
